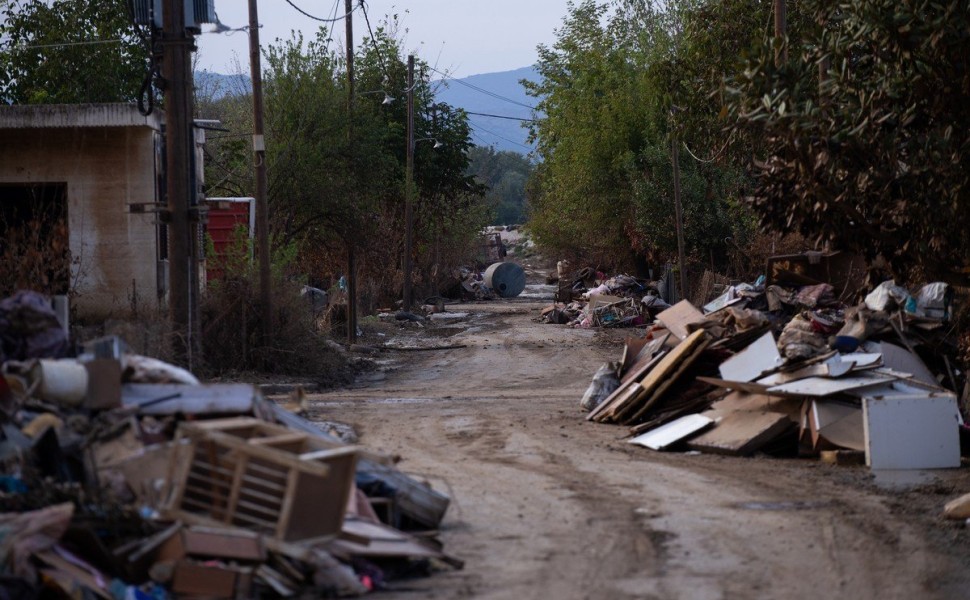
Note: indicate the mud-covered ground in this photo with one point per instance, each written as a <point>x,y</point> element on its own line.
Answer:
<point>547,505</point>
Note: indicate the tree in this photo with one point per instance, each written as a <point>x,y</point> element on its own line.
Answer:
<point>69,51</point>
<point>614,90</point>
<point>333,182</point>
<point>506,175</point>
<point>875,158</point>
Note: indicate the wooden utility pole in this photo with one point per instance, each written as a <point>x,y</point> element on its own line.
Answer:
<point>177,46</point>
<point>351,249</point>
<point>409,184</point>
<point>781,48</point>
<point>259,157</point>
<point>678,210</point>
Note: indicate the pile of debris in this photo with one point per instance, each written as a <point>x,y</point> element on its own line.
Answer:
<point>787,369</point>
<point>124,477</point>
<point>590,299</point>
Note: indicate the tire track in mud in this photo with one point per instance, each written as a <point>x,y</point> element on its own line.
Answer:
<point>547,505</point>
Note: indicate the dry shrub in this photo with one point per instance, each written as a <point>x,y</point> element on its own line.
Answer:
<point>231,325</point>
<point>35,255</point>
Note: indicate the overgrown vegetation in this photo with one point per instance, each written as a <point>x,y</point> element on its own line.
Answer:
<point>231,314</point>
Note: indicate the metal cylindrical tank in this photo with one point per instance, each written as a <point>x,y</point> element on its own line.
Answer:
<point>505,279</point>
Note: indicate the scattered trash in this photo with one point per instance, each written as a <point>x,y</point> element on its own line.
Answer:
<point>127,478</point>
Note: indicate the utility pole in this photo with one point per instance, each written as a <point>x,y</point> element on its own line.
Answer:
<point>177,46</point>
<point>781,48</point>
<point>678,211</point>
<point>259,157</point>
<point>351,249</point>
<point>409,183</point>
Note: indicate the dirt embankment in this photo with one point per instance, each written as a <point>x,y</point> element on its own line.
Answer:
<point>547,505</point>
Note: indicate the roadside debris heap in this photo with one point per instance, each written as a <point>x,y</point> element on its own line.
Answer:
<point>788,369</point>
<point>124,477</point>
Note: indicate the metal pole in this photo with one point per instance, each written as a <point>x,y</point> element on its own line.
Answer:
<point>408,192</point>
<point>351,250</point>
<point>781,48</point>
<point>259,157</point>
<point>679,214</point>
<point>179,141</point>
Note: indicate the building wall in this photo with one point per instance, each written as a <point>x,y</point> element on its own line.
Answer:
<point>106,169</point>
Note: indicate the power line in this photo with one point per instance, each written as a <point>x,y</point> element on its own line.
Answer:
<point>468,112</point>
<point>306,14</point>
<point>61,44</point>
<point>373,40</point>
<point>481,90</point>
<point>500,137</point>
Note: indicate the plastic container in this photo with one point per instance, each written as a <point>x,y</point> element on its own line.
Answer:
<point>60,381</point>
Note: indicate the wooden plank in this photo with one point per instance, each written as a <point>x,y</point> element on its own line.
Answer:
<point>741,433</point>
<point>646,354</point>
<point>279,439</point>
<point>664,368</point>
<point>641,368</point>
<point>609,412</point>
<point>678,317</point>
<point>605,414</point>
<point>648,399</point>
<point>751,388</point>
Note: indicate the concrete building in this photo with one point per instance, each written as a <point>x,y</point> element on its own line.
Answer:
<point>92,162</point>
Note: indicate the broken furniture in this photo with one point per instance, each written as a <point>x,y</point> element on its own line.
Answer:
<point>253,474</point>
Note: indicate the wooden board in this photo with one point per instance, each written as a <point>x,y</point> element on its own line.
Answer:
<point>744,402</point>
<point>645,360</point>
<point>664,368</point>
<point>678,317</point>
<point>741,433</point>
<point>751,388</point>
<point>649,399</point>
<point>604,412</point>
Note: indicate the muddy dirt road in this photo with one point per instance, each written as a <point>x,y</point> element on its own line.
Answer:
<point>546,505</point>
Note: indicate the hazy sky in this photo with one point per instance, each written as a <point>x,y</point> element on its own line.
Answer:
<point>467,37</point>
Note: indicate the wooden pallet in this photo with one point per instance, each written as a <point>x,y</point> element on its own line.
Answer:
<point>248,473</point>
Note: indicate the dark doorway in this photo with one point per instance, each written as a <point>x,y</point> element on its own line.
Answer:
<point>35,250</point>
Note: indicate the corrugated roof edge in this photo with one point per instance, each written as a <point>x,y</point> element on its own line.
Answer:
<point>54,116</point>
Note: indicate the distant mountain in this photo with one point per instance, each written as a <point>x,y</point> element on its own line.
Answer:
<point>494,94</point>
<point>489,93</point>
<point>215,86</point>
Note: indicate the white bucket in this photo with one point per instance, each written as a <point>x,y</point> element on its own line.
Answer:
<point>61,381</point>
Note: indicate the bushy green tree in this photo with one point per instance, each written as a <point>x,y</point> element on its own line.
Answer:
<point>615,89</point>
<point>506,175</point>
<point>69,51</point>
<point>876,157</point>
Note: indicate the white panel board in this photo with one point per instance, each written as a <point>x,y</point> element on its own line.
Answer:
<point>820,386</point>
<point>912,432</point>
<point>665,435</point>
<point>747,365</point>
